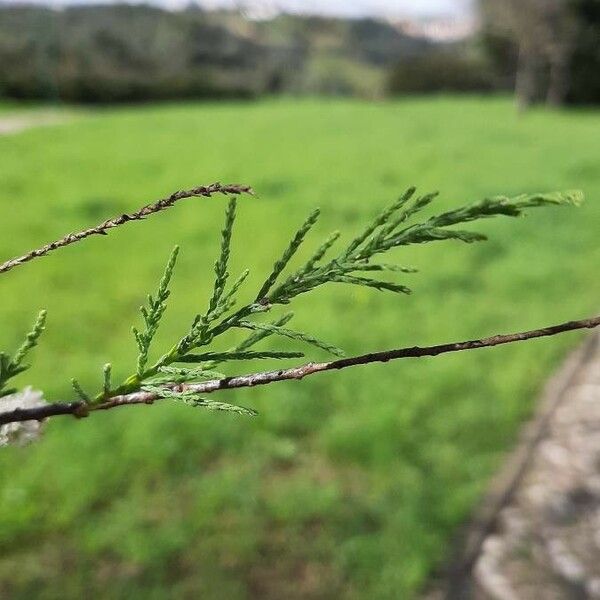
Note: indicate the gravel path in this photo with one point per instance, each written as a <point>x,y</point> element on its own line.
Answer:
<point>11,124</point>
<point>537,534</point>
<point>547,543</point>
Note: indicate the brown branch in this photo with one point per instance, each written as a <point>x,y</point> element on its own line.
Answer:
<point>80,409</point>
<point>103,228</point>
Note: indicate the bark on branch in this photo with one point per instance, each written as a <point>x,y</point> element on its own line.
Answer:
<point>80,409</point>
<point>149,209</point>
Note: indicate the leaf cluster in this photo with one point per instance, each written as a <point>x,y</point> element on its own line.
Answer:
<point>193,357</point>
<point>11,366</point>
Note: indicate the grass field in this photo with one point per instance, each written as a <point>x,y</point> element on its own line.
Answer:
<point>349,484</point>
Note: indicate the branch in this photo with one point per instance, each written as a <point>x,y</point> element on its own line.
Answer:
<point>81,409</point>
<point>149,209</point>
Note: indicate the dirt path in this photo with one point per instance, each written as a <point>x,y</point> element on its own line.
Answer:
<point>11,124</point>
<point>537,534</point>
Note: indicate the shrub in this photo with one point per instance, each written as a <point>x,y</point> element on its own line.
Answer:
<point>439,71</point>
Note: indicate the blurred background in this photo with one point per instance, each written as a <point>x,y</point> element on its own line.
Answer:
<point>353,484</point>
<point>90,53</point>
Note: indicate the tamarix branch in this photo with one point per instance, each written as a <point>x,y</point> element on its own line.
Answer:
<point>190,369</point>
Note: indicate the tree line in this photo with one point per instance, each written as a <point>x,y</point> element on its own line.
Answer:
<point>547,50</point>
<point>132,53</point>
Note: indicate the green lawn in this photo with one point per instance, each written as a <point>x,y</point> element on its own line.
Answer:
<point>349,484</point>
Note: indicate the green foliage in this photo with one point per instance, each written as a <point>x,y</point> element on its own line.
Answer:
<point>221,268</point>
<point>450,69</point>
<point>81,393</point>
<point>11,367</point>
<point>153,316</point>
<point>388,230</point>
<point>183,374</point>
<point>282,263</point>
<point>107,370</point>
<point>233,355</point>
<point>292,335</point>
<point>193,399</point>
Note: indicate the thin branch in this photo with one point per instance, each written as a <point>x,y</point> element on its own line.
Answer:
<point>149,209</point>
<point>80,409</point>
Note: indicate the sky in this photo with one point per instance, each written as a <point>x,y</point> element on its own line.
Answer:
<point>352,8</point>
<point>397,8</point>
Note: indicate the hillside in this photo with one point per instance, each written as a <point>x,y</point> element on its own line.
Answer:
<point>129,53</point>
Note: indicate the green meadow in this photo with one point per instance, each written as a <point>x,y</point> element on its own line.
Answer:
<point>349,484</point>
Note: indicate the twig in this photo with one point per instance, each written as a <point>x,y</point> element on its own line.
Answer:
<point>80,409</point>
<point>103,228</point>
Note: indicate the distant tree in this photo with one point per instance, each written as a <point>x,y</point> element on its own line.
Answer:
<point>440,70</point>
<point>545,43</point>
<point>585,59</point>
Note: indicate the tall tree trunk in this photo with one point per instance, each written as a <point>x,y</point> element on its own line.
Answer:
<point>558,86</point>
<point>527,81</point>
